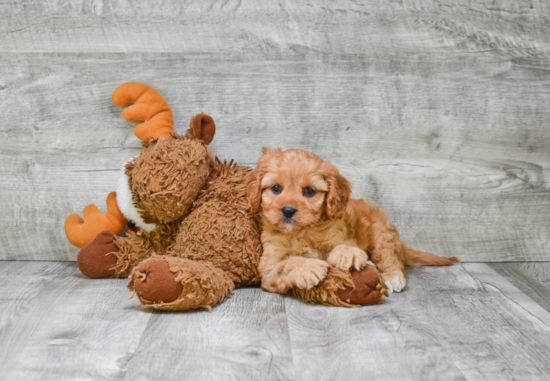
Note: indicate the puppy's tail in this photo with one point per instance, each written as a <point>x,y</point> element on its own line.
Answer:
<point>414,257</point>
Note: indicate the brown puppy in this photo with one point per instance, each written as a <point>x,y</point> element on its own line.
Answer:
<point>309,223</point>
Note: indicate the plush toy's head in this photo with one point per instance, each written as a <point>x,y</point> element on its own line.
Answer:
<point>160,185</point>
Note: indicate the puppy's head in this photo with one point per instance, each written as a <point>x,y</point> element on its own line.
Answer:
<point>296,189</point>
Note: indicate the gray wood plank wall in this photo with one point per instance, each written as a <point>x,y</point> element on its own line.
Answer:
<point>437,110</point>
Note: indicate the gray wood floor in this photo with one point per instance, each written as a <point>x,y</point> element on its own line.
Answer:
<point>472,321</point>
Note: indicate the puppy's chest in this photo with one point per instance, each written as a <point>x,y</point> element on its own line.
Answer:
<point>318,242</point>
<point>309,248</point>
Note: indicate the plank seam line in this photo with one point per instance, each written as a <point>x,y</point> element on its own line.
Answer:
<point>138,345</point>
<point>493,288</point>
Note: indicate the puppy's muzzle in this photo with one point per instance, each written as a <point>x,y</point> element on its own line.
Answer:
<point>288,212</point>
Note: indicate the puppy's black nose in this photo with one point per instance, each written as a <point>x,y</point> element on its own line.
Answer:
<point>288,212</point>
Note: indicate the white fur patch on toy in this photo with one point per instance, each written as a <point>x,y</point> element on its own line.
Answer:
<point>126,205</point>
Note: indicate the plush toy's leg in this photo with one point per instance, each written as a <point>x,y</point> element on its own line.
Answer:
<point>369,287</point>
<point>132,249</point>
<point>98,259</point>
<point>345,289</point>
<point>110,255</point>
<point>177,284</point>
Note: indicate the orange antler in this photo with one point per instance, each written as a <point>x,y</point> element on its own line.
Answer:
<point>146,105</point>
<point>81,231</point>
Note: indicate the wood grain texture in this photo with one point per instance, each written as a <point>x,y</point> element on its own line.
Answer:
<point>380,342</point>
<point>482,205</point>
<point>490,329</point>
<point>532,278</point>
<point>457,322</point>
<point>57,324</point>
<point>437,110</point>
<point>20,283</point>
<point>462,322</point>
<point>244,338</point>
<point>342,27</point>
<point>519,300</point>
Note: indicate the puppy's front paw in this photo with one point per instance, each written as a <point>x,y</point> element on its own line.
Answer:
<point>345,257</point>
<point>309,274</point>
<point>395,283</point>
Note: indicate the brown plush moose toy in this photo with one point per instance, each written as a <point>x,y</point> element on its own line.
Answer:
<point>195,239</point>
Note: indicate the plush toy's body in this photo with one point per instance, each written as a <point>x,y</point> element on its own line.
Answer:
<point>198,240</point>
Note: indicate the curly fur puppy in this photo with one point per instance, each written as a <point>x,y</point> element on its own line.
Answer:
<point>310,223</point>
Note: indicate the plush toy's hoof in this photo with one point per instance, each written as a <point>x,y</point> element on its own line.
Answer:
<point>157,283</point>
<point>97,259</point>
<point>178,284</point>
<point>369,287</point>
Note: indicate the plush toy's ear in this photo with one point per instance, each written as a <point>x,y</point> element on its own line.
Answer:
<point>146,105</point>
<point>204,127</point>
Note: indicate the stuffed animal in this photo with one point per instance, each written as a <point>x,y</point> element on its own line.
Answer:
<point>196,239</point>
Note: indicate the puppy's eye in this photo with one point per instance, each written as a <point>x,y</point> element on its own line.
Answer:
<point>276,189</point>
<point>308,192</point>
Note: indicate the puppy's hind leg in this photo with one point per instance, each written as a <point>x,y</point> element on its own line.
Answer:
<point>394,275</point>
<point>384,251</point>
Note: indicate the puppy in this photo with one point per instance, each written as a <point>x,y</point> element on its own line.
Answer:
<point>309,223</point>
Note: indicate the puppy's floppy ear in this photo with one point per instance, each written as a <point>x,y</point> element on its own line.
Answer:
<point>339,190</point>
<point>269,151</point>
<point>253,181</point>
